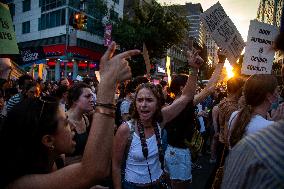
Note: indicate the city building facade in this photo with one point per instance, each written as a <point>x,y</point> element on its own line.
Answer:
<point>193,13</point>
<point>48,24</point>
<point>196,34</point>
<point>212,51</point>
<point>270,11</point>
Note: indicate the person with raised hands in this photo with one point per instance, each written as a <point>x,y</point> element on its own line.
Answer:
<point>36,132</point>
<point>178,155</point>
<point>138,160</point>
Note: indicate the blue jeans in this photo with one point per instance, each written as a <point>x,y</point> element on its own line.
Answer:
<point>178,163</point>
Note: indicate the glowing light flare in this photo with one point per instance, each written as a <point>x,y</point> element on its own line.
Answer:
<point>229,69</point>
<point>210,62</point>
<point>168,64</point>
<point>77,16</point>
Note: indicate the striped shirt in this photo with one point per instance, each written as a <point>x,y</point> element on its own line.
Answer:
<point>257,161</point>
<point>17,98</point>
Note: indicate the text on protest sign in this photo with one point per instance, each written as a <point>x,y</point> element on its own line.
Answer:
<point>8,44</point>
<point>223,31</point>
<point>259,55</point>
<point>31,55</point>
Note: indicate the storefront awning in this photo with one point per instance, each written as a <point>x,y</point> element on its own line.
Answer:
<point>59,50</point>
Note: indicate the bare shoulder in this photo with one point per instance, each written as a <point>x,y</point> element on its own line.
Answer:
<point>120,139</point>
<point>123,131</point>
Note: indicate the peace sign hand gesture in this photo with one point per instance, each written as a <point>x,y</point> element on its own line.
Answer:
<point>194,60</point>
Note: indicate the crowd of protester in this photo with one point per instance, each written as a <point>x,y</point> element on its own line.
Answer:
<point>129,133</point>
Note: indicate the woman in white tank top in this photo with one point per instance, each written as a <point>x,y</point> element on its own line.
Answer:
<point>143,163</point>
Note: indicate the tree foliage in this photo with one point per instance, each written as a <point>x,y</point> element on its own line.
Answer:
<point>157,26</point>
<point>95,8</point>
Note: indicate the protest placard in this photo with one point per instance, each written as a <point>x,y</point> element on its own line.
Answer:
<point>223,31</point>
<point>31,55</point>
<point>259,54</point>
<point>8,43</point>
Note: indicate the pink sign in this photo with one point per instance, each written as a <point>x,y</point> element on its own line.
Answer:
<point>107,35</point>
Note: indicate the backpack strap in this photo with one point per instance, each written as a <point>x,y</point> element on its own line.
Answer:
<point>129,140</point>
<point>230,127</point>
<point>127,148</point>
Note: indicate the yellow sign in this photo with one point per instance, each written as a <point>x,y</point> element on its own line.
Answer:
<point>8,43</point>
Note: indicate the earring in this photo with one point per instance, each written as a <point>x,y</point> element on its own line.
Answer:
<point>51,148</point>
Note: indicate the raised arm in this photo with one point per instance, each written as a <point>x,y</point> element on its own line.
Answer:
<point>210,87</point>
<point>171,111</point>
<point>95,163</point>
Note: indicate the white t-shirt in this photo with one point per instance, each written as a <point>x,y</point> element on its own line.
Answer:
<point>200,118</point>
<point>256,123</point>
<point>125,106</point>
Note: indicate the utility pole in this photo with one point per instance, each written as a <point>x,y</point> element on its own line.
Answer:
<point>67,37</point>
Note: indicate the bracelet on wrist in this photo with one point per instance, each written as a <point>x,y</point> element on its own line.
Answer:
<point>105,111</point>
<point>109,105</point>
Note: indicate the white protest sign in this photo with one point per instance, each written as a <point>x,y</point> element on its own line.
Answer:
<point>223,31</point>
<point>259,55</point>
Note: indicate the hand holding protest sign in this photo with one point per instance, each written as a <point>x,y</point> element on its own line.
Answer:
<point>221,56</point>
<point>193,58</point>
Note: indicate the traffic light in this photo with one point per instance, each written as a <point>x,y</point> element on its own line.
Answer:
<point>79,21</point>
<point>84,19</point>
<point>76,21</point>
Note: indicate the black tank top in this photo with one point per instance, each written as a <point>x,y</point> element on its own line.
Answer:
<point>81,140</point>
<point>181,127</point>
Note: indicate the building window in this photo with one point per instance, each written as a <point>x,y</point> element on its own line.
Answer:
<point>26,5</point>
<point>51,19</point>
<point>113,15</point>
<point>39,24</point>
<point>26,27</point>
<point>51,4</point>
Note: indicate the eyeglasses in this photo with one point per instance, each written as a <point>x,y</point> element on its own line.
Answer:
<point>48,100</point>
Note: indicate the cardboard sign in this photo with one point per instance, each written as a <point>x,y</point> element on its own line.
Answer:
<point>223,32</point>
<point>259,54</point>
<point>8,43</point>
